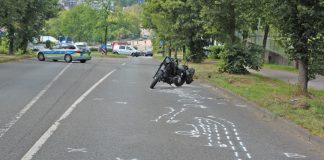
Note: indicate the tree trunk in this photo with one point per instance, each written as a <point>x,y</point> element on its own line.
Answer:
<point>245,36</point>
<point>232,22</point>
<point>184,52</point>
<point>264,43</point>
<point>11,33</point>
<point>170,49</point>
<point>105,41</point>
<point>176,53</point>
<point>24,44</point>
<point>303,76</point>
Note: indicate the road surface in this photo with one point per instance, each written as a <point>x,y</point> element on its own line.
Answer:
<point>104,110</point>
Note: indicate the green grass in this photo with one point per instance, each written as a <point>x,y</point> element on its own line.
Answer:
<point>110,55</point>
<point>277,96</point>
<point>281,67</point>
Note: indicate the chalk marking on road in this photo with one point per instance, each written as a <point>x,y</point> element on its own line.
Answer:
<point>122,103</point>
<point>124,64</point>
<point>98,99</point>
<point>195,106</point>
<point>294,155</point>
<point>241,105</point>
<point>189,101</point>
<point>193,133</point>
<point>50,131</point>
<point>84,150</point>
<point>31,103</point>
<point>166,114</point>
<point>171,120</point>
<point>117,158</point>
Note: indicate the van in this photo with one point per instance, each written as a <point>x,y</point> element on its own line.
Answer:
<point>126,50</point>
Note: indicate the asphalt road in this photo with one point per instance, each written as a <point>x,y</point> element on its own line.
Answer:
<point>104,110</point>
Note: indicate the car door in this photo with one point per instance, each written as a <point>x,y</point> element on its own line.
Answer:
<point>122,50</point>
<point>129,50</point>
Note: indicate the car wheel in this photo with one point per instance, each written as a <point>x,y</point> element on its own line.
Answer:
<point>83,61</point>
<point>68,58</point>
<point>55,60</point>
<point>41,57</point>
<point>116,53</point>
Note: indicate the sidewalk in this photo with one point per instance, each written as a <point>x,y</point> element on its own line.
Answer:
<point>289,77</point>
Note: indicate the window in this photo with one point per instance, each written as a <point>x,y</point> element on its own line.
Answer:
<point>122,47</point>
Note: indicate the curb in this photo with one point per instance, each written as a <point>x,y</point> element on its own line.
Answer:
<point>283,123</point>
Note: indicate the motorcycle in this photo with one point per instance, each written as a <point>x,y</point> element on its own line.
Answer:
<point>170,71</point>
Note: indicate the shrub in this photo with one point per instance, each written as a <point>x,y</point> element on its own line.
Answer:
<point>215,51</point>
<point>238,57</point>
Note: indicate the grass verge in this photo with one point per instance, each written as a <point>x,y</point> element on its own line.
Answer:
<point>7,58</point>
<point>281,67</point>
<point>110,55</point>
<point>277,96</point>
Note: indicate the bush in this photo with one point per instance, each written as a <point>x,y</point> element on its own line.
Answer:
<point>237,58</point>
<point>215,51</point>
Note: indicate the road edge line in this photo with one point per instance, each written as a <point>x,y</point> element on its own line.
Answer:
<point>31,103</point>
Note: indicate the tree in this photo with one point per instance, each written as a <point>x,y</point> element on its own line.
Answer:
<point>301,25</point>
<point>10,14</point>
<point>177,22</point>
<point>33,20</point>
<point>225,20</point>
<point>24,19</point>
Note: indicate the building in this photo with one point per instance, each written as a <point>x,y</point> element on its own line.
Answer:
<point>67,4</point>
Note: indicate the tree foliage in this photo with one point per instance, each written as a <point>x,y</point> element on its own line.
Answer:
<point>228,22</point>
<point>91,23</point>
<point>301,25</point>
<point>25,19</point>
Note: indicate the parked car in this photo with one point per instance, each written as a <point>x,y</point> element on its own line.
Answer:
<point>68,53</point>
<point>82,46</point>
<point>148,52</point>
<point>127,50</point>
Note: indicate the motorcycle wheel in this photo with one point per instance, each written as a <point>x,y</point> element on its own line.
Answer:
<point>183,80</point>
<point>156,79</point>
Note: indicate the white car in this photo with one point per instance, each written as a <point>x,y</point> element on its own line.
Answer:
<point>126,50</point>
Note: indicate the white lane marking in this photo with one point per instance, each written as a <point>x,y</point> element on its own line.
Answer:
<point>123,64</point>
<point>294,155</point>
<point>84,150</point>
<point>41,141</point>
<point>5,129</point>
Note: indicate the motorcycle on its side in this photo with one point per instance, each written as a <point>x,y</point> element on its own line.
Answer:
<point>170,71</point>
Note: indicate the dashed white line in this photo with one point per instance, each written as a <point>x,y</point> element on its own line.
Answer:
<point>41,141</point>
<point>4,130</point>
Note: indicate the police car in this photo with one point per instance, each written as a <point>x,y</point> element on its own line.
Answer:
<point>67,52</point>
